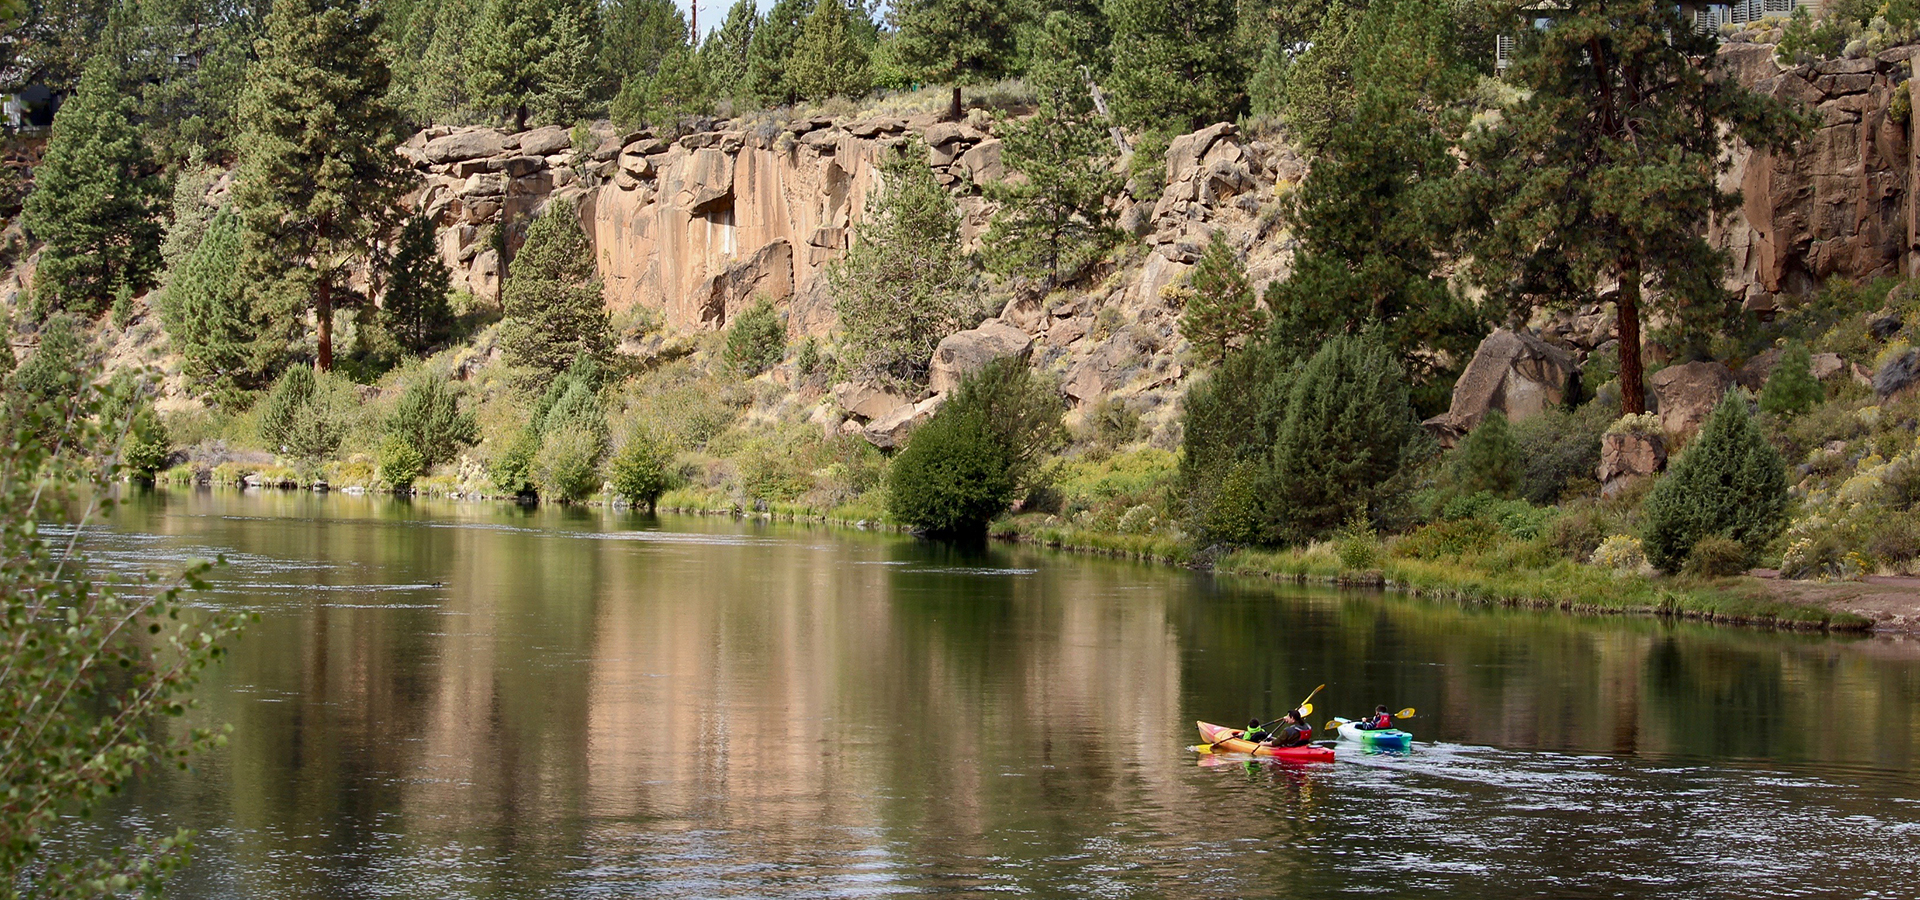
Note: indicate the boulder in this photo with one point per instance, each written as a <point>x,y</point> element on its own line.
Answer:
<point>982,162</point>
<point>1109,367</point>
<point>963,354</point>
<point>872,128</point>
<point>867,400</point>
<point>644,146</point>
<point>1184,153</point>
<point>473,144</point>
<point>890,431</point>
<point>943,133</point>
<point>1753,375</point>
<point>1688,393</point>
<point>545,141</point>
<point>1827,365</point>
<point>1514,372</point>
<point>522,166</point>
<point>1628,455</point>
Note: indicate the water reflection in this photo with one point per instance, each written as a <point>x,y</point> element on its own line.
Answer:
<point>478,700</point>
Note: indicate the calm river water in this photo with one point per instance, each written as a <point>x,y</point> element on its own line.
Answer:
<point>447,699</point>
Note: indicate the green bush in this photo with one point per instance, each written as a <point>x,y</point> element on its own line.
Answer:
<point>567,468</point>
<point>978,453</point>
<point>1450,539</point>
<point>1715,556</point>
<point>1357,545</point>
<point>1790,389</point>
<point>1349,427</point>
<point>756,340</point>
<point>400,462</point>
<point>640,470</point>
<point>1560,452</point>
<point>300,419</point>
<point>1487,459</point>
<point>428,417</point>
<point>1577,533</point>
<point>952,479</point>
<point>1729,481</point>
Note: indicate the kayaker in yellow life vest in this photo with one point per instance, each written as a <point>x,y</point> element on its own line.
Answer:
<point>1296,734</point>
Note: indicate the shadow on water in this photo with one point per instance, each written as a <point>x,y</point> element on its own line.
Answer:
<point>483,700</point>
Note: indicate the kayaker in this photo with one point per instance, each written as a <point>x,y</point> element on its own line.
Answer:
<point>1255,732</point>
<point>1296,734</point>
<point>1379,721</point>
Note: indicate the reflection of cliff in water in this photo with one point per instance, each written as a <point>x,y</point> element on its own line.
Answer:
<point>582,699</point>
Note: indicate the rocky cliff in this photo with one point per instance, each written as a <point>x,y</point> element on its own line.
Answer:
<point>695,228</point>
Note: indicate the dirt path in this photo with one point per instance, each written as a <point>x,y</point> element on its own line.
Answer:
<point>1893,603</point>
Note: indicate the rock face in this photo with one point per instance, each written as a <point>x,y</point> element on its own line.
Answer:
<point>1841,203</point>
<point>1688,393</point>
<point>1514,372</point>
<point>961,355</point>
<point>1626,456</point>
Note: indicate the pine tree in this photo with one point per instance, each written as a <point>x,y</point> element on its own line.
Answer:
<point>211,320</point>
<point>317,172</point>
<point>1488,459</point>
<point>1222,315</point>
<point>1605,171</point>
<point>1176,64</point>
<point>639,35</point>
<point>904,284</point>
<point>52,43</point>
<point>724,54</point>
<point>826,60</point>
<point>430,64</point>
<point>675,90</point>
<point>1729,481</point>
<point>770,49</point>
<point>979,451</point>
<point>522,56</point>
<point>1347,431</point>
<point>956,42</point>
<point>1054,221</point>
<point>183,64</point>
<point>428,418</point>
<point>1382,200</point>
<point>415,305</point>
<point>1791,389</point>
<point>569,73</point>
<point>554,310</point>
<point>96,200</point>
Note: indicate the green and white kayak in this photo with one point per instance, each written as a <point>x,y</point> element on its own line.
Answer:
<point>1384,738</point>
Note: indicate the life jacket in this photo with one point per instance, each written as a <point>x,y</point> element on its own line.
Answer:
<point>1256,735</point>
<point>1295,735</point>
<point>1381,721</point>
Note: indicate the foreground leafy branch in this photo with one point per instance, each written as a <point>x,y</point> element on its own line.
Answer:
<point>89,672</point>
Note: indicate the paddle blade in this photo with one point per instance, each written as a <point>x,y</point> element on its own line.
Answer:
<point>1306,709</point>
<point>1404,714</point>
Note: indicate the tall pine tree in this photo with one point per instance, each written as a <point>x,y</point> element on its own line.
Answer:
<point>1222,315</point>
<point>317,172</point>
<point>827,61</point>
<point>1054,221</point>
<point>415,305</point>
<point>1606,170</point>
<point>210,318</point>
<point>96,201</point>
<point>554,309</point>
<point>723,55</point>
<point>770,49</point>
<point>1176,63</point>
<point>956,42</point>
<point>1382,201</point>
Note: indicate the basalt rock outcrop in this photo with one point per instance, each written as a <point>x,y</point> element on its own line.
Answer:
<point>1512,371</point>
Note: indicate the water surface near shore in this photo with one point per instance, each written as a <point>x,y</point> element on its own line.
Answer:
<point>457,699</point>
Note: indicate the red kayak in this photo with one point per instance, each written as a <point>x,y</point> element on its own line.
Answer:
<point>1222,739</point>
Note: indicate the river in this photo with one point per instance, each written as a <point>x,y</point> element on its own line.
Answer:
<point>464,700</point>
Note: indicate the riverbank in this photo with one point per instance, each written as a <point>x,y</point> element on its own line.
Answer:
<point>1559,584</point>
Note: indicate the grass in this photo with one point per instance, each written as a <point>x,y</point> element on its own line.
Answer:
<point>1563,585</point>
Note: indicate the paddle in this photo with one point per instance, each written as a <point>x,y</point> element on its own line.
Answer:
<point>1407,713</point>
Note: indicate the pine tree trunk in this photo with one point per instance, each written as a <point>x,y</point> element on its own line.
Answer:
<point>1633,394</point>
<point>323,310</point>
<point>953,110</point>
